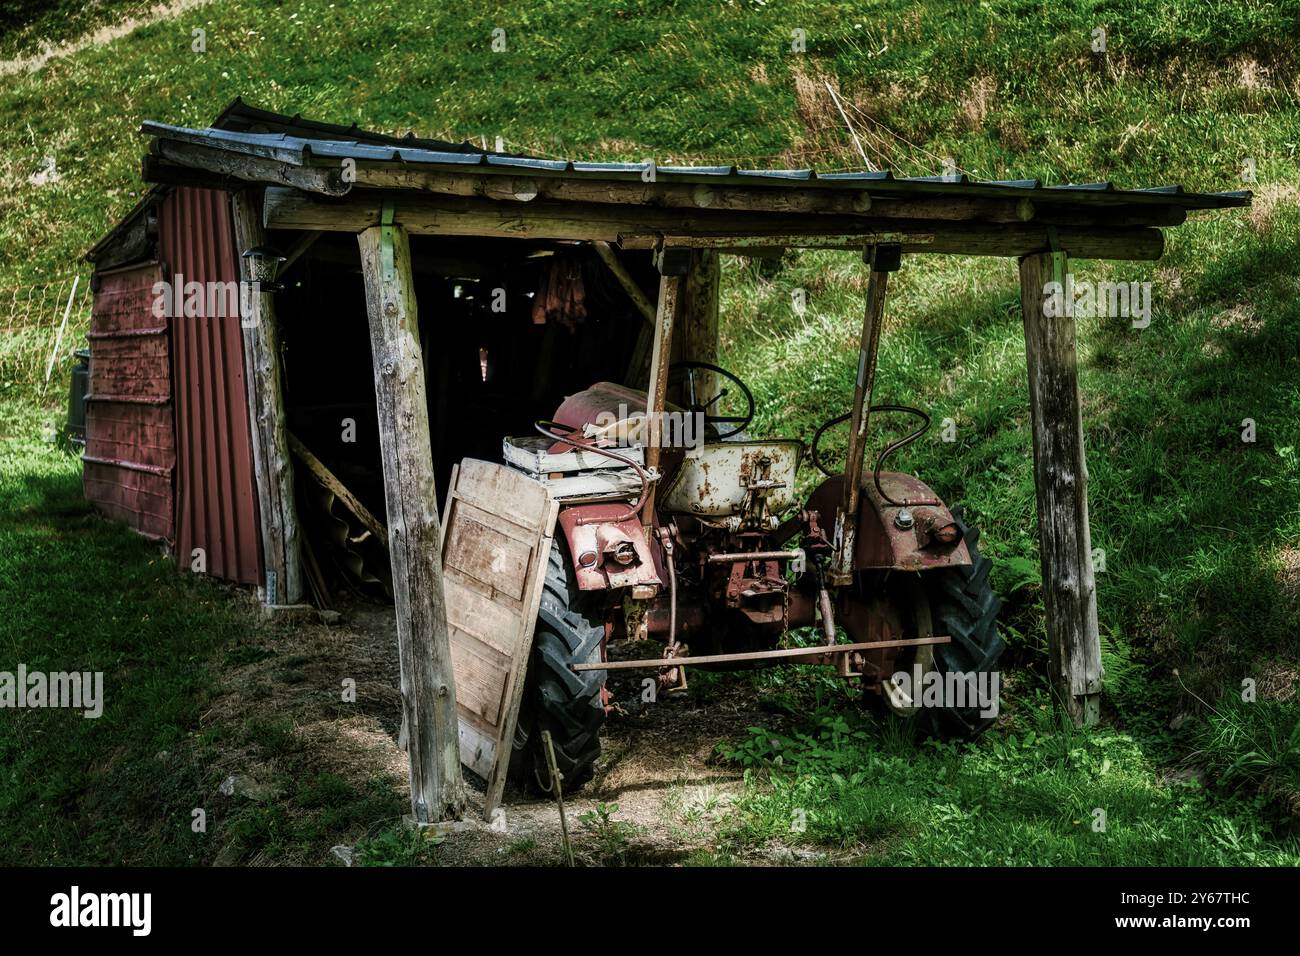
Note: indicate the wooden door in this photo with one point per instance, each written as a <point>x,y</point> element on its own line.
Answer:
<point>496,539</point>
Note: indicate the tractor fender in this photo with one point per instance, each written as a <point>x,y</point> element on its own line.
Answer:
<point>594,535</point>
<point>881,543</point>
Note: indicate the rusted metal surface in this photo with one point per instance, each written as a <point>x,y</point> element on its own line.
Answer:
<point>591,532</point>
<point>846,521</point>
<point>724,557</point>
<point>881,543</point>
<point>876,623</point>
<point>587,407</point>
<point>798,655</point>
<point>734,478</point>
<point>758,590</point>
<point>216,498</point>
<point>130,439</point>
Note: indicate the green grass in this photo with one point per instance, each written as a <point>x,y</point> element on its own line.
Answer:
<point>1201,531</point>
<point>80,593</point>
<point>1035,794</point>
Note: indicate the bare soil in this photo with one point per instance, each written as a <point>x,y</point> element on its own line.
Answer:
<point>658,766</point>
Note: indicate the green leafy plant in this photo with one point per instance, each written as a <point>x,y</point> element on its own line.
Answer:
<point>612,837</point>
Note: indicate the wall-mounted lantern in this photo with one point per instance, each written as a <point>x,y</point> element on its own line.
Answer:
<point>263,267</point>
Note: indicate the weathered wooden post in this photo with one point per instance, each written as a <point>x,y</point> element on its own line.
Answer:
<point>414,536</point>
<point>883,260</point>
<point>672,265</point>
<point>266,413</point>
<point>695,336</point>
<point>1061,487</point>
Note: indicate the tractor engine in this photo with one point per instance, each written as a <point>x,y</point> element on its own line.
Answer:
<point>722,509</point>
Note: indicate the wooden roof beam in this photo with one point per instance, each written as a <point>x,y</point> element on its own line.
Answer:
<point>642,227</point>
<point>326,180</point>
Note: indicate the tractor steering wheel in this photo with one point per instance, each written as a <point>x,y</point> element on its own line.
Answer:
<point>683,373</point>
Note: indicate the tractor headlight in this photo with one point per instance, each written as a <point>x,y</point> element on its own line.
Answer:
<point>948,533</point>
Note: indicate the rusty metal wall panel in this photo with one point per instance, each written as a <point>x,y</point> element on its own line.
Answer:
<point>141,499</point>
<point>131,367</point>
<point>130,442</point>
<point>216,495</point>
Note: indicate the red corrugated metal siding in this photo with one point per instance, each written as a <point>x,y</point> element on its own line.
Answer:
<point>216,495</point>
<point>130,442</point>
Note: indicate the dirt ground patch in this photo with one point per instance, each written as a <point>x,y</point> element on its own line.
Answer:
<point>658,766</point>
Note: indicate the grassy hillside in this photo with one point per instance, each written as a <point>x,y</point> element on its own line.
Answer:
<point>1201,530</point>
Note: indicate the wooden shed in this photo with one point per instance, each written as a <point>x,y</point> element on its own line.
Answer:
<point>434,297</point>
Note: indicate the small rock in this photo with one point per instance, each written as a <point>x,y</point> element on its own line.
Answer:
<point>241,785</point>
<point>47,174</point>
<point>229,856</point>
<point>329,617</point>
<point>1183,776</point>
<point>342,853</point>
<point>1179,720</point>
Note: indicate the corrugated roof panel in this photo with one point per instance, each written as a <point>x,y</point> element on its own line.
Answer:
<point>862,175</point>
<point>216,498</point>
<point>777,173</point>
<point>1103,187</point>
<point>322,147</point>
<point>555,165</point>
<point>696,170</point>
<point>444,159</point>
<point>581,167</point>
<point>960,179</point>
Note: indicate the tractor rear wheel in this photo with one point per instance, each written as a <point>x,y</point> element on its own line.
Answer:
<point>570,629</point>
<point>958,601</point>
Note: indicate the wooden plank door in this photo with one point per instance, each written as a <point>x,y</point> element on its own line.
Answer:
<point>496,540</point>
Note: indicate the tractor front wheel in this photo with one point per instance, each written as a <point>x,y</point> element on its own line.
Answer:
<point>570,628</point>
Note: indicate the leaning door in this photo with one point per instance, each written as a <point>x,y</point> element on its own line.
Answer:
<point>496,539</point>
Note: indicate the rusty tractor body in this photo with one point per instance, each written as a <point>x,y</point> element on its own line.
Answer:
<point>713,557</point>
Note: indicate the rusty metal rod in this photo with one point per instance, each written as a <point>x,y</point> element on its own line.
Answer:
<point>670,289</point>
<point>883,260</point>
<point>754,556</point>
<point>814,651</point>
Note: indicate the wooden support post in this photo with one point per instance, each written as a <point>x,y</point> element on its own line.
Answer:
<point>414,536</point>
<point>1061,485</point>
<point>883,260</point>
<point>629,284</point>
<point>672,265</point>
<point>637,365</point>
<point>695,337</point>
<point>281,553</point>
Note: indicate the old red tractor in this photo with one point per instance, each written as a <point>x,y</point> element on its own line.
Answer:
<point>708,550</point>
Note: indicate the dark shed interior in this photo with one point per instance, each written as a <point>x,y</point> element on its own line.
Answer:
<point>497,357</point>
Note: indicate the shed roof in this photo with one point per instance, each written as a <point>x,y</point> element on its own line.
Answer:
<point>625,202</point>
<point>314,144</point>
